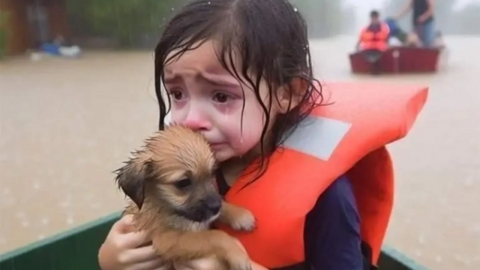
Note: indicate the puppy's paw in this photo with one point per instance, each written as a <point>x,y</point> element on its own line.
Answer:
<point>243,220</point>
<point>238,218</point>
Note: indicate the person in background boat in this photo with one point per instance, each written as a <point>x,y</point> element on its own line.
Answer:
<point>59,47</point>
<point>422,19</point>
<point>375,35</point>
<point>322,192</point>
<point>373,40</point>
<point>413,40</point>
<point>439,43</point>
<point>399,37</point>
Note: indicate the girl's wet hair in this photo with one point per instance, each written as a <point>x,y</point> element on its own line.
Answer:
<point>269,37</point>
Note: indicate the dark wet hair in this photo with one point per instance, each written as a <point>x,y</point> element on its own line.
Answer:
<point>268,36</point>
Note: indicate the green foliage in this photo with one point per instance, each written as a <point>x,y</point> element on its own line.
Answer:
<point>125,20</point>
<point>130,20</point>
<point>324,17</point>
<point>3,33</point>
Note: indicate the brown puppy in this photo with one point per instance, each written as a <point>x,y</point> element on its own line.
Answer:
<point>171,183</point>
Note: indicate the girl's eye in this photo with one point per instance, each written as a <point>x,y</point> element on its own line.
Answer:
<point>177,95</point>
<point>221,97</point>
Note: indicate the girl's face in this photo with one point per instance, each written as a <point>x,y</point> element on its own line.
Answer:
<point>206,98</point>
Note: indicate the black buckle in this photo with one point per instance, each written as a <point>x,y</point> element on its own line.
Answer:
<point>367,254</point>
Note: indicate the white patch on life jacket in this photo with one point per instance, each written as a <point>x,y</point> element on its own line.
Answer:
<point>317,136</point>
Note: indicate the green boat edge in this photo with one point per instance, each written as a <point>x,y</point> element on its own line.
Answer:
<point>77,249</point>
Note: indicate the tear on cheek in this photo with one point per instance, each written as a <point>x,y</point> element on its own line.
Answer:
<point>226,114</point>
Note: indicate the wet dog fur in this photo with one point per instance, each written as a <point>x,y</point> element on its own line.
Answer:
<point>173,198</point>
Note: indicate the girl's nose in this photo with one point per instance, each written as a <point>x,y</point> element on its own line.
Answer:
<point>197,122</point>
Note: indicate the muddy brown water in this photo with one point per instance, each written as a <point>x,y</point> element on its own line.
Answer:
<point>65,125</point>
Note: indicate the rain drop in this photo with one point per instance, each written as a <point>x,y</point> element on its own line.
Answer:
<point>20,215</point>
<point>64,204</point>
<point>45,221</point>
<point>70,220</point>
<point>421,239</point>
<point>36,185</point>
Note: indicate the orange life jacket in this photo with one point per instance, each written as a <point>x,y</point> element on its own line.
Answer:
<point>349,137</point>
<point>376,40</point>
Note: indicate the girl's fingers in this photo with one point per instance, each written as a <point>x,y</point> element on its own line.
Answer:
<point>135,239</point>
<point>209,263</point>
<point>124,225</point>
<point>150,265</point>
<point>143,254</point>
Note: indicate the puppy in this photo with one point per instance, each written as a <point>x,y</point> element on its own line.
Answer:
<point>171,185</point>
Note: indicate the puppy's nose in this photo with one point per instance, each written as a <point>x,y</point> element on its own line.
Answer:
<point>213,203</point>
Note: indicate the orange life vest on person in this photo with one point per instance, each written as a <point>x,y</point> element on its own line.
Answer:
<point>348,136</point>
<point>376,40</point>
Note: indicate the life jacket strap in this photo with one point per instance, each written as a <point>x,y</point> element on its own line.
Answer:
<point>367,255</point>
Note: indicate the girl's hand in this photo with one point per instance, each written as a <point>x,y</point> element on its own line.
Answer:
<point>211,263</point>
<point>124,249</point>
<point>421,19</point>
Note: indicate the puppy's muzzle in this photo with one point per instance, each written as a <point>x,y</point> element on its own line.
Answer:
<point>205,210</point>
<point>212,204</point>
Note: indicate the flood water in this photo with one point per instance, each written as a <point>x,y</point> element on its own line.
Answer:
<point>65,125</point>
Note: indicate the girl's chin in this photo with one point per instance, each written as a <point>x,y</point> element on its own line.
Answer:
<point>224,153</point>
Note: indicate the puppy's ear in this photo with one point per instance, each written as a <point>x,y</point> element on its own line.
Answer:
<point>131,179</point>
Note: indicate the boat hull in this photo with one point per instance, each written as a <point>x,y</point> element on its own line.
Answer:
<point>399,60</point>
<point>78,249</point>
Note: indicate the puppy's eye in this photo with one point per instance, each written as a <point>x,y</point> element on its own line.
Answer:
<point>183,184</point>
